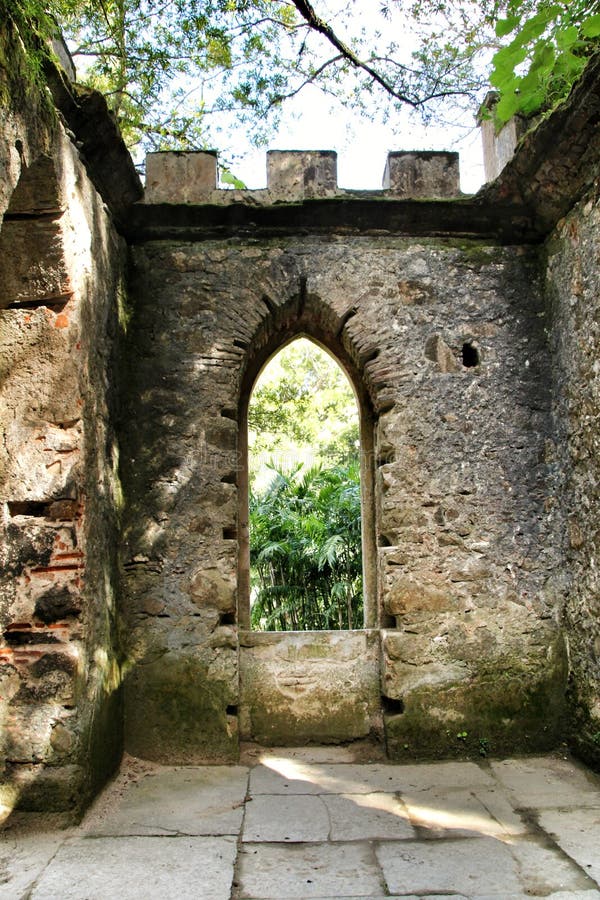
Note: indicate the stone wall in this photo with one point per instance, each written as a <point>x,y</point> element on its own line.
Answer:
<point>573,284</point>
<point>123,396</point>
<point>61,271</point>
<point>447,339</point>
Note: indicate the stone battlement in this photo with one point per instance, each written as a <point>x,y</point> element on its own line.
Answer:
<point>293,175</point>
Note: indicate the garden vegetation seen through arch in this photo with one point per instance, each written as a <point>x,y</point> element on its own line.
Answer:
<point>304,503</point>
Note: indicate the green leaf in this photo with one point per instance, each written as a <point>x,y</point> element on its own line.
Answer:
<point>591,27</point>
<point>504,80</point>
<point>228,178</point>
<point>543,58</point>
<point>509,57</point>
<point>565,39</point>
<point>536,26</point>
<point>568,65</point>
<point>505,26</point>
<point>506,107</point>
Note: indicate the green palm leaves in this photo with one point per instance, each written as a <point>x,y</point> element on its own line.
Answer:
<point>305,550</point>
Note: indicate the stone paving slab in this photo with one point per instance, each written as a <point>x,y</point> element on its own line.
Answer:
<point>132,868</point>
<point>542,869</point>
<point>560,895</point>
<point>329,829</point>
<point>479,866</point>
<point>287,776</point>
<point>355,817</point>
<point>547,782</point>
<point>303,871</point>
<point>445,812</point>
<point>23,857</point>
<point>194,800</point>
<point>577,832</point>
<point>272,818</point>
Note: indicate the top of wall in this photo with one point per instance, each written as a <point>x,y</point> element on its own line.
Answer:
<point>554,164</point>
<point>296,175</point>
<point>95,133</point>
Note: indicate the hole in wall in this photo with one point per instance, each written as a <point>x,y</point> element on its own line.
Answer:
<point>271,306</point>
<point>227,618</point>
<point>60,509</point>
<point>38,508</point>
<point>55,605</point>
<point>230,478</point>
<point>229,414</point>
<point>385,456</point>
<point>230,534</point>
<point>231,710</point>
<point>371,355</point>
<point>55,304</point>
<point>470,355</point>
<point>392,707</point>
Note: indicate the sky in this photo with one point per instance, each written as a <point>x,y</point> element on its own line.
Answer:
<point>362,145</point>
<point>310,122</point>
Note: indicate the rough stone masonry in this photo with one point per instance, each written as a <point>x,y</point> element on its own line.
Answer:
<point>133,329</point>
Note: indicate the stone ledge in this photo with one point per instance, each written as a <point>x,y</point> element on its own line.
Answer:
<point>355,213</point>
<point>101,145</point>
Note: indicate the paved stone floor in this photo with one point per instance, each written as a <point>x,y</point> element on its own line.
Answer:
<point>317,824</point>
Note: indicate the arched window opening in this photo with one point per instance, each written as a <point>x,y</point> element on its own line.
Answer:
<point>304,494</point>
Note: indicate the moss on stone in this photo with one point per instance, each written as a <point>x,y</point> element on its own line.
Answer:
<point>507,710</point>
<point>179,713</point>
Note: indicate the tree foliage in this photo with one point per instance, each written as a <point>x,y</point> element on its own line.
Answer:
<point>302,410</point>
<point>547,52</point>
<point>305,555</point>
<point>171,68</point>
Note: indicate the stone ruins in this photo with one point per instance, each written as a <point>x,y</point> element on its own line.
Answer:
<point>133,326</point>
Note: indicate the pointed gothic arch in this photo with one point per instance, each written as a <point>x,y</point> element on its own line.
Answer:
<point>277,332</point>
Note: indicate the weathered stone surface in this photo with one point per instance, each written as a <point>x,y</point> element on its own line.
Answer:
<point>302,871</point>
<point>475,868</point>
<point>490,705</point>
<point>498,146</point>
<point>477,380</point>
<point>58,495</point>
<point>548,783</point>
<point>178,706</point>
<point>309,687</point>
<point>574,288</point>
<point>422,174</point>
<point>203,868</point>
<point>296,174</point>
<point>462,489</point>
<point>557,161</point>
<point>174,177</point>
<point>329,829</point>
<point>577,832</point>
<point>206,801</point>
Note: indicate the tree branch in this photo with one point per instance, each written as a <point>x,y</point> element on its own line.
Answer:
<point>317,24</point>
<point>279,98</point>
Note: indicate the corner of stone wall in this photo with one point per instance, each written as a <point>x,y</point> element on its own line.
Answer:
<point>573,291</point>
<point>60,666</point>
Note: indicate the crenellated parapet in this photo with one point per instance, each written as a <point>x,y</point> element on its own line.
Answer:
<point>294,175</point>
